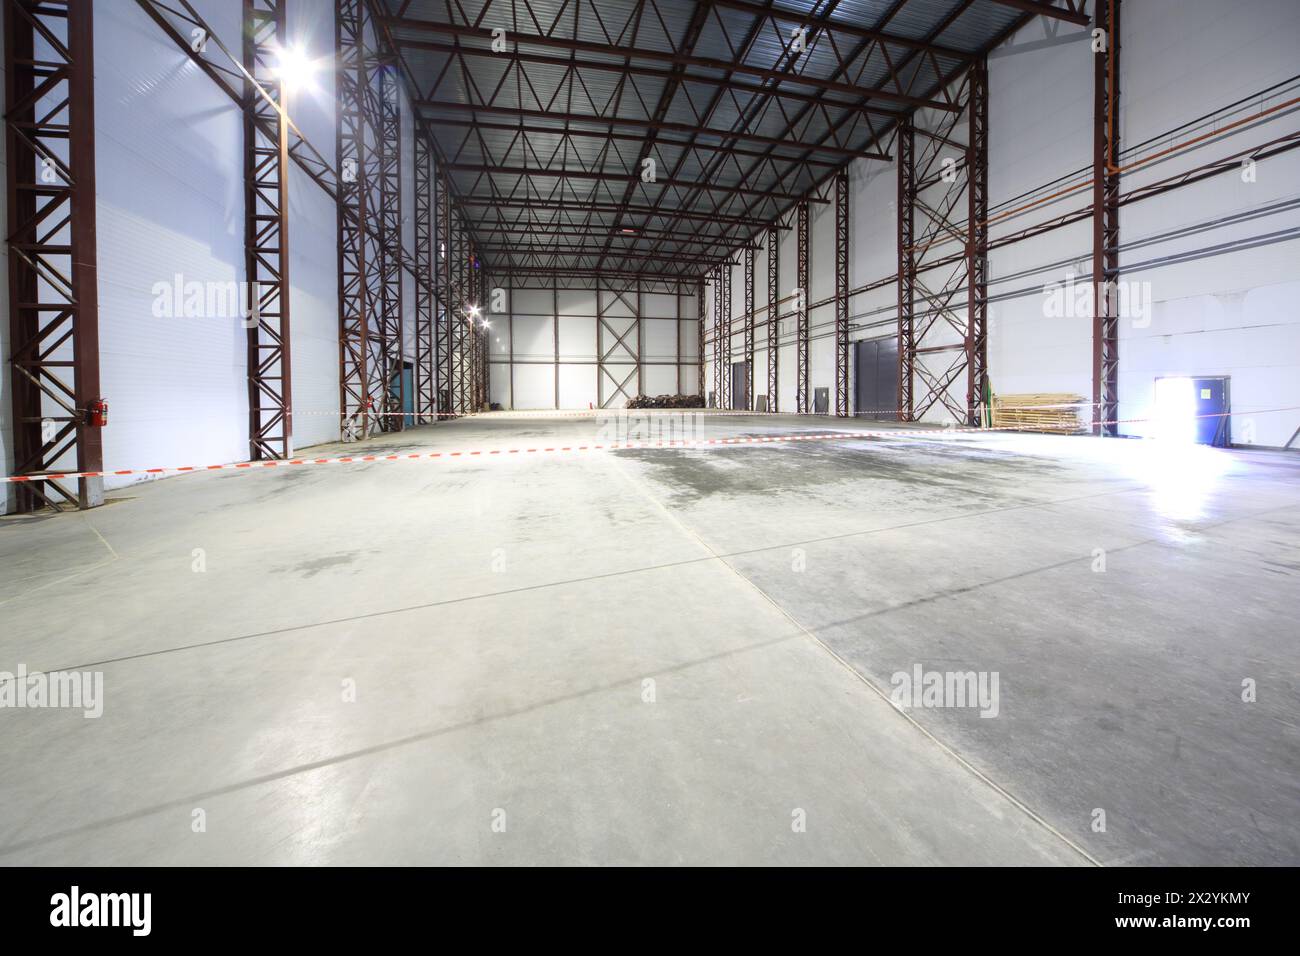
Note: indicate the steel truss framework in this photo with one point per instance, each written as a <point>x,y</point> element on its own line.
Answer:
<point>446,331</point>
<point>387,157</point>
<point>741,106</point>
<point>699,347</point>
<point>749,328</point>
<point>266,235</point>
<point>941,298</point>
<point>801,312</point>
<point>192,35</point>
<point>773,318</point>
<point>1105,224</point>
<point>426,301</point>
<point>842,293</point>
<point>618,320</point>
<point>53,310</point>
<point>725,291</point>
<point>360,273</point>
<point>619,324</point>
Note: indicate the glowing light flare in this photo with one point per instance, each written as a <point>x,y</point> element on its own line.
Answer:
<point>294,68</point>
<point>1175,416</point>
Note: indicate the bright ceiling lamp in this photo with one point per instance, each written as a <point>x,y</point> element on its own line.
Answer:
<point>294,68</point>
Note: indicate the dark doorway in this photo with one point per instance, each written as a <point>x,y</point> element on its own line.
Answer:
<point>739,393</point>
<point>875,378</point>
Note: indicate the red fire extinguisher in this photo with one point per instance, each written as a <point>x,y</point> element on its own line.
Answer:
<point>97,413</point>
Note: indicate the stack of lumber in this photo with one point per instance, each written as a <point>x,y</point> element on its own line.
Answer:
<point>1039,412</point>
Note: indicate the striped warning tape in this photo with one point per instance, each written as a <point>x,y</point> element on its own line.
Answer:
<point>434,455</point>
<point>933,432</point>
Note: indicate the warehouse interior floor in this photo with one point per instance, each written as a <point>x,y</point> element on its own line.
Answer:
<point>667,655</point>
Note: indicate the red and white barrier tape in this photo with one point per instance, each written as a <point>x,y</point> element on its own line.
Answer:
<point>427,456</point>
<point>935,432</point>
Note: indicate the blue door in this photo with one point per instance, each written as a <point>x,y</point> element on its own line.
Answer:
<point>408,394</point>
<point>1213,426</point>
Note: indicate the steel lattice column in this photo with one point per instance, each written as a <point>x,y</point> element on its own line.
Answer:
<point>388,123</point>
<point>266,235</point>
<point>749,328</point>
<point>977,241</point>
<point>725,400</point>
<point>718,337</point>
<point>773,319</point>
<point>358,264</point>
<point>53,308</point>
<point>461,319</point>
<point>1105,224</point>
<point>446,298</point>
<point>801,314</point>
<point>842,293</point>
<point>426,339</point>
<point>905,147</point>
<point>699,332</point>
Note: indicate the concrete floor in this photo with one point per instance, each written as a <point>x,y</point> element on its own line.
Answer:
<point>500,618</point>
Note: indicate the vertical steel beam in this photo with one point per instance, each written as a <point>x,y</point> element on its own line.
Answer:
<point>699,333</point>
<point>426,340</point>
<point>1105,223</point>
<point>53,306</point>
<point>388,125</point>
<point>357,271</point>
<point>842,293</point>
<point>725,400</point>
<point>749,328</point>
<point>510,339</point>
<point>905,152</point>
<point>773,319</point>
<point>466,323</point>
<point>446,305</point>
<point>640,342</point>
<point>677,334</point>
<point>977,241</point>
<point>459,375</point>
<point>266,234</point>
<point>801,314</point>
<point>718,337</point>
<point>555,335</point>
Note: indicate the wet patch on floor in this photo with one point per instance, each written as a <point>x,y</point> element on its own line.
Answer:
<point>981,475</point>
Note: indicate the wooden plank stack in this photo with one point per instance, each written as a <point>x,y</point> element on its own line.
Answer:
<point>1027,412</point>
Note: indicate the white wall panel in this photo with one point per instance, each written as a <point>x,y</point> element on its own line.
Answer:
<point>499,384</point>
<point>169,167</point>
<point>534,337</point>
<point>532,302</point>
<point>534,385</point>
<point>313,243</point>
<point>659,340</point>
<point>577,339</point>
<point>575,302</point>
<point>577,386</point>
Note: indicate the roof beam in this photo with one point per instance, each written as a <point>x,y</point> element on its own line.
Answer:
<point>602,176</point>
<point>751,221</point>
<point>848,29</point>
<point>663,56</point>
<point>625,137</point>
<point>1067,13</point>
<point>639,124</point>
